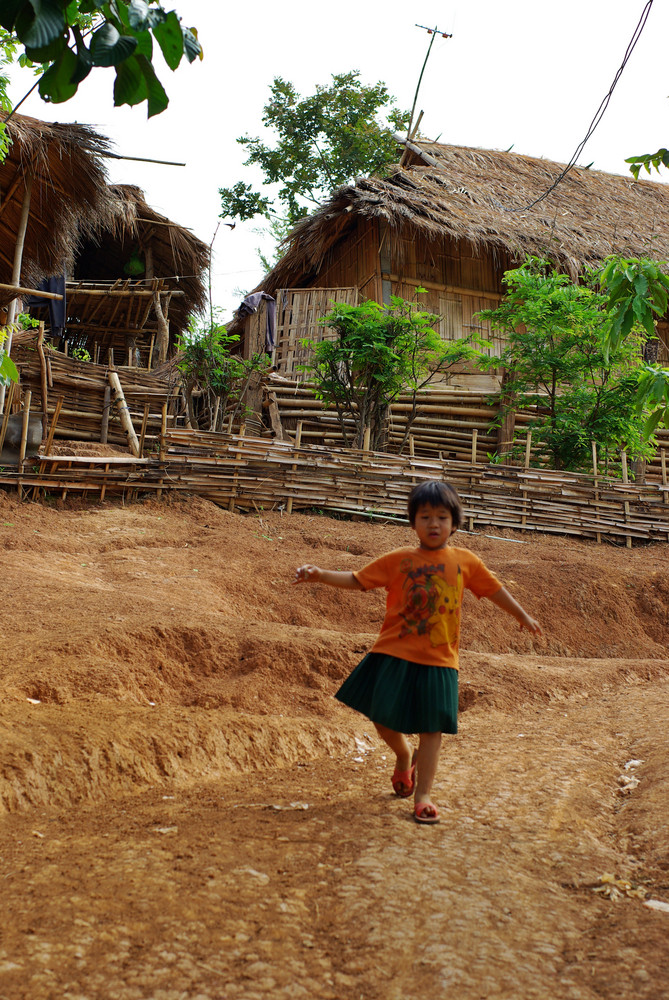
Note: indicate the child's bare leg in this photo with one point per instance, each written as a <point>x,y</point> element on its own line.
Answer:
<point>426,765</point>
<point>398,743</point>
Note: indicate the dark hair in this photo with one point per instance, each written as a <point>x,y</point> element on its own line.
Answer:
<point>437,494</point>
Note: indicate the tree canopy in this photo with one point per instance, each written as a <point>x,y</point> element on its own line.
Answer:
<point>324,140</point>
<point>69,38</point>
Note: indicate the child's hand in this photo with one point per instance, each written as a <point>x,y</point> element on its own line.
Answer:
<point>531,624</point>
<point>307,574</point>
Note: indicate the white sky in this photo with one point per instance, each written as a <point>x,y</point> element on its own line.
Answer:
<point>521,72</point>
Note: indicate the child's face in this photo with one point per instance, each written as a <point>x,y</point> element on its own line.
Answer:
<point>433,525</point>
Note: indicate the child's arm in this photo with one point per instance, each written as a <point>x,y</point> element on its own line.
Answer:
<point>503,599</point>
<point>332,577</point>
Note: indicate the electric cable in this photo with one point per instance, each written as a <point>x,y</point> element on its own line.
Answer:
<point>599,114</point>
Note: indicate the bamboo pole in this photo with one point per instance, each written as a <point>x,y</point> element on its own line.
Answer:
<point>235,476</point>
<point>106,406</point>
<point>595,474</point>
<point>142,436</point>
<point>6,414</point>
<point>43,376</point>
<point>626,505</point>
<point>24,439</point>
<point>18,261</point>
<point>161,451</point>
<point>298,443</point>
<point>124,413</point>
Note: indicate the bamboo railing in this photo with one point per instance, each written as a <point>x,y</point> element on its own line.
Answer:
<point>249,473</point>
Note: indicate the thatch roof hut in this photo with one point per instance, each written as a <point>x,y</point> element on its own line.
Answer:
<point>453,219</point>
<point>69,195</point>
<point>136,259</point>
<point>165,249</point>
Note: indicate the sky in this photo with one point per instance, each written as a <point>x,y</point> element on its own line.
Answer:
<point>520,73</point>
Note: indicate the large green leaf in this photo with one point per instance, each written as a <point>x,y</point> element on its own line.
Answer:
<point>8,369</point>
<point>109,47</point>
<point>157,98</point>
<point>56,84</point>
<point>130,84</point>
<point>40,23</point>
<point>171,40</point>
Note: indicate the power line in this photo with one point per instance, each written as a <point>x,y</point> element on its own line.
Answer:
<point>599,114</point>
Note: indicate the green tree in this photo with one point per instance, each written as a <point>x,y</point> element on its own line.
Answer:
<point>215,378</point>
<point>69,38</point>
<point>379,351</point>
<point>636,293</point>
<point>556,361</point>
<point>323,141</point>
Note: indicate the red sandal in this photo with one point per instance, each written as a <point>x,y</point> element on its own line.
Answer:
<point>404,782</point>
<point>421,808</point>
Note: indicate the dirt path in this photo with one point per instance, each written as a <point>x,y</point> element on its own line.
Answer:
<point>314,881</point>
<point>190,816</point>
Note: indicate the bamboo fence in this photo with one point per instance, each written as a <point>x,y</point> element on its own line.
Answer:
<point>451,424</point>
<point>88,412</point>
<point>250,473</point>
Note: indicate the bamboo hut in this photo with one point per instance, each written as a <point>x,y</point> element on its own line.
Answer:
<point>54,176</point>
<point>135,281</point>
<point>452,219</point>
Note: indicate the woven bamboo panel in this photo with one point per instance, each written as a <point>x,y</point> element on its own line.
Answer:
<point>298,311</point>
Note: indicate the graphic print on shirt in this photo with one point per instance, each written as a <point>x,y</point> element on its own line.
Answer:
<point>432,606</point>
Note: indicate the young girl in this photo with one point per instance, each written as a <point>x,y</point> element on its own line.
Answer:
<point>408,683</point>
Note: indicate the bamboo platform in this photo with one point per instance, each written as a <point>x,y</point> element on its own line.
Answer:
<point>252,474</point>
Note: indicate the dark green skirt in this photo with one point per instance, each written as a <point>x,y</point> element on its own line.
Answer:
<point>404,696</point>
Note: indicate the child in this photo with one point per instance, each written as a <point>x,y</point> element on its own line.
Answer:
<point>408,683</point>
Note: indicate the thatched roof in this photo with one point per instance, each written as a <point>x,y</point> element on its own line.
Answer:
<point>480,196</point>
<point>69,198</point>
<point>178,255</point>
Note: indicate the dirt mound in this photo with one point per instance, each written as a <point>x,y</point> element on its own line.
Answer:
<point>185,613</point>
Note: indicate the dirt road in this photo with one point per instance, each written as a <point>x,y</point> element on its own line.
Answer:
<point>188,815</point>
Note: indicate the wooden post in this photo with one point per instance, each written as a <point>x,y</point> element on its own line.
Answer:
<point>24,439</point>
<point>523,493</point>
<point>153,339</point>
<point>145,420</point>
<point>475,435</point>
<point>43,376</point>
<point>238,462</point>
<point>49,440</point>
<point>124,413</point>
<point>366,438</point>
<point>162,446</point>
<point>106,406</point>
<point>18,261</point>
<point>293,470</point>
<point>626,505</point>
<point>528,449</point>
<point>595,473</point>
<point>8,410</point>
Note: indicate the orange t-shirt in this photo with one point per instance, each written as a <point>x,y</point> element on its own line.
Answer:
<point>425,588</point>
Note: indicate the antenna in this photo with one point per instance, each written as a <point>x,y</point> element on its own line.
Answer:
<point>434,32</point>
